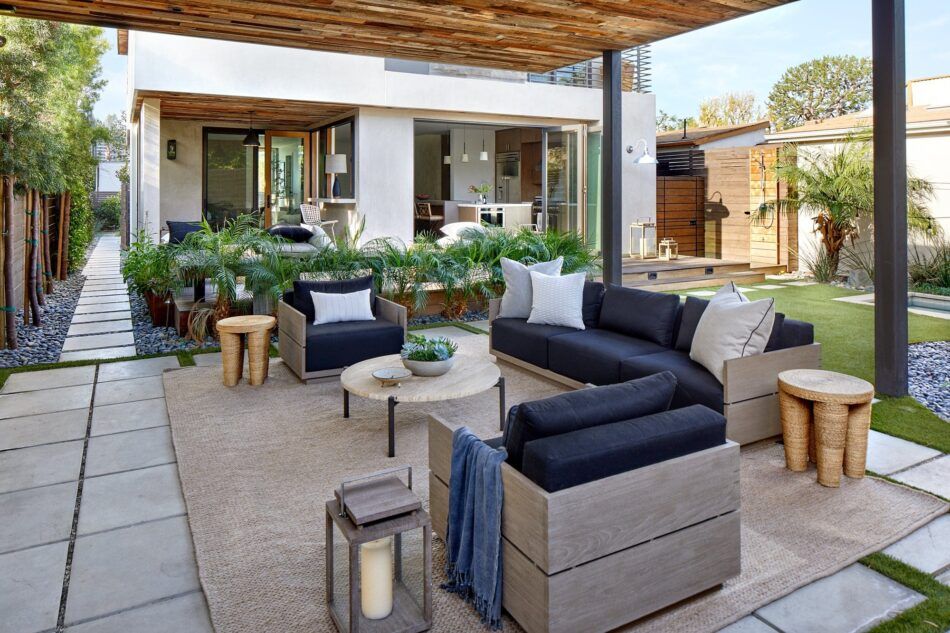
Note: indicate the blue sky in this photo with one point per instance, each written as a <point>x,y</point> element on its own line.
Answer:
<point>748,54</point>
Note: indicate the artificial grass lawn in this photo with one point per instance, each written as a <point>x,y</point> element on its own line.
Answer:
<point>846,334</point>
<point>931,615</point>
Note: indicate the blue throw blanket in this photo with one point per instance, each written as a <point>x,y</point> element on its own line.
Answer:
<point>473,556</point>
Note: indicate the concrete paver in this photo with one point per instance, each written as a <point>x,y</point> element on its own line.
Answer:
<point>16,405</point>
<point>932,476</point>
<point>49,379</point>
<point>126,451</point>
<point>45,428</point>
<point>129,390</point>
<point>183,613</point>
<point>37,516</point>
<point>137,368</point>
<point>99,354</point>
<point>129,416</point>
<point>98,341</point>
<point>888,454</point>
<point>131,497</point>
<point>100,327</point>
<point>31,582</point>
<point>927,549</point>
<point>40,465</point>
<point>118,315</point>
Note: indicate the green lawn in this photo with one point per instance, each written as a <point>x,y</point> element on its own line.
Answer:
<point>846,334</point>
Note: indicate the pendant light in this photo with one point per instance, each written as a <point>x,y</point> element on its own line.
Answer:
<point>447,159</point>
<point>483,155</point>
<point>253,139</point>
<point>464,145</point>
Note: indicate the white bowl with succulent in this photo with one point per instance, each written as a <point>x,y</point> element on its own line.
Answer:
<point>428,357</point>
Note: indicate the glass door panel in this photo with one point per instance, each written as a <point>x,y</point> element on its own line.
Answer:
<point>564,184</point>
<point>287,169</point>
<point>594,180</point>
<point>230,176</point>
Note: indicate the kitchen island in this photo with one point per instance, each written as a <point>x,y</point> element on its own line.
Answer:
<point>508,215</point>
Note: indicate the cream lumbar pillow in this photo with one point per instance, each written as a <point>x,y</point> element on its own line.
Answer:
<point>557,300</point>
<point>731,327</point>
<point>334,307</point>
<point>516,302</point>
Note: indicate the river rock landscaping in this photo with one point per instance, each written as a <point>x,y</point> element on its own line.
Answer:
<point>929,375</point>
<point>43,344</point>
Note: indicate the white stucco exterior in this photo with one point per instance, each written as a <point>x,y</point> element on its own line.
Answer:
<point>386,104</point>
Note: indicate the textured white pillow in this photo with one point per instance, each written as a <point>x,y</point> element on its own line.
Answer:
<point>731,327</point>
<point>516,302</point>
<point>320,238</point>
<point>330,307</point>
<point>558,300</point>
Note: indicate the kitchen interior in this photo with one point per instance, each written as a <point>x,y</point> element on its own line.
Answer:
<point>502,163</point>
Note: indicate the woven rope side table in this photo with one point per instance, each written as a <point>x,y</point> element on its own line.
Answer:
<point>826,417</point>
<point>256,327</point>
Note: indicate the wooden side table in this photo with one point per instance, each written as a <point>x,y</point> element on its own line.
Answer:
<point>256,327</point>
<point>825,417</point>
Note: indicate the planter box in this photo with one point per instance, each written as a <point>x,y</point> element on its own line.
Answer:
<point>160,309</point>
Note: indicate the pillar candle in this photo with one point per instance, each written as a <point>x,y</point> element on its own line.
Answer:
<point>376,579</point>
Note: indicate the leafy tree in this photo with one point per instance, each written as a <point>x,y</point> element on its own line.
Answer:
<point>666,122</point>
<point>837,188</point>
<point>117,139</point>
<point>732,108</point>
<point>821,89</point>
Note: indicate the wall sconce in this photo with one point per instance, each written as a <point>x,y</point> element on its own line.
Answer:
<point>171,149</point>
<point>645,158</point>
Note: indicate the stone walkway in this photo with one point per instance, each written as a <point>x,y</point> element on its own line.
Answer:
<point>102,324</point>
<point>95,538</point>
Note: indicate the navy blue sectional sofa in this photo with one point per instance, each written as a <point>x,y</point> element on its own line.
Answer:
<point>633,333</point>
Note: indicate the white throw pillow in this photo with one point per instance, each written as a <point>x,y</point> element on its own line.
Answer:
<point>320,238</point>
<point>558,300</point>
<point>330,307</point>
<point>731,327</point>
<point>453,229</point>
<point>516,302</point>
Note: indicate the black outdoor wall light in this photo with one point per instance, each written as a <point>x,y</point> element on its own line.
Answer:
<point>171,150</point>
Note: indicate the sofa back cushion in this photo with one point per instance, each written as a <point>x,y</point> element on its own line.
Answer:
<point>571,459</point>
<point>640,314</point>
<point>593,298</point>
<point>177,231</point>
<point>303,302</point>
<point>291,232</point>
<point>583,409</point>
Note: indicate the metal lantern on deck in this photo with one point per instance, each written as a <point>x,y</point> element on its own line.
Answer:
<point>379,556</point>
<point>643,237</point>
<point>669,249</point>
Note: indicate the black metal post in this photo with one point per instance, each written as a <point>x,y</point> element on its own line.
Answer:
<point>612,190</point>
<point>392,425</point>
<point>501,402</point>
<point>890,198</point>
<point>346,403</point>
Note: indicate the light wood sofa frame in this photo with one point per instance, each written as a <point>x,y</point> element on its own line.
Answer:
<point>292,335</point>
<point>596,556</point>
<point>750,384</point>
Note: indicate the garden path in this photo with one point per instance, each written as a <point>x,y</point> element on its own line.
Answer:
<point>101,327</point>
<point>97,540</point>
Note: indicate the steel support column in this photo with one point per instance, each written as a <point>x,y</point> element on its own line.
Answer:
<point>612,190</point>
<point>890,198</point>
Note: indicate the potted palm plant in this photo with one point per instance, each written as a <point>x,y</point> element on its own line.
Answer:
<point>147,269</point>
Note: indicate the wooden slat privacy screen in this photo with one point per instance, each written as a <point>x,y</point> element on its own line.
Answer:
<point>529,35</point>
<point>679,212</point>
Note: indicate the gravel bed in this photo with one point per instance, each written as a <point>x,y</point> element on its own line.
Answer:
<point>929,376</point>
<point>428,319</point>
<point>43,344</point>
<point>156,340</point>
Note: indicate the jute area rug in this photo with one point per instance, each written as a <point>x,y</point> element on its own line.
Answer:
<point>257,465</point>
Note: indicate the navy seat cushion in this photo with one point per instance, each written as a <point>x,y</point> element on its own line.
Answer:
<point>692,311</point>
<point>640,314</point>
<point>529,343</point>
<point>335,345</point>
<point>584,408</point>
<point>586,455</point>
<point>292,232</point>
<point>594,355</point>
<point>303,302</point>
<point>694,385</point>
<point>178,230</point>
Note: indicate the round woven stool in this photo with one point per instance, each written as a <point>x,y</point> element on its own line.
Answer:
<point>825,417</point>
<point>256,327</point>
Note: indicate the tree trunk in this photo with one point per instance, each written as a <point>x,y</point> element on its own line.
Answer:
<point>9,307</point>
<point>60,272</point>
<point>34,262</point>
<point>27,230</point>
<point>47,258</point>
<point>67,208</point>
<point>38,286</point>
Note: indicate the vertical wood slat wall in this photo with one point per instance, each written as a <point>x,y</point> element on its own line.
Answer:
<point>680,202</point>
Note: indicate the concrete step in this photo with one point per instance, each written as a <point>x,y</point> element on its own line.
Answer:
<point>702,281</point>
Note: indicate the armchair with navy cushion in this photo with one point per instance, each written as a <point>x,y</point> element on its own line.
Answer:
<point>318,351</point>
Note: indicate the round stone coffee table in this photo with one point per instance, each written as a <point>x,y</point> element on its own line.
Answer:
<point>256,327</point>
<point>825,416</point>
<point>468,376</point>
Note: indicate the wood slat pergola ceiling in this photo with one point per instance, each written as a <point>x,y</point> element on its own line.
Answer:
<point>528,35</point>
<point>267,113</point>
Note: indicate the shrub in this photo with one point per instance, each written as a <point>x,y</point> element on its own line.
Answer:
<point>821,265</point>
<point>930,264</point>
<point>107,215</point>
<point>80,228</point>
<point>148,267</point>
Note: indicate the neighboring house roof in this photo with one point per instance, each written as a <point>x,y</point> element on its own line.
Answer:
<point>698,136</point>
<point>919,118</point>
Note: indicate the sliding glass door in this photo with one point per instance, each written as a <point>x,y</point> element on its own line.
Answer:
<point>594,180</point>
<point>230,176</point>
<point>564,183</point>
<point>287,169</point>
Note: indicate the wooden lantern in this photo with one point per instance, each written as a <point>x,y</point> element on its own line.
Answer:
<point>379,556</point>
<point>669,249</point>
